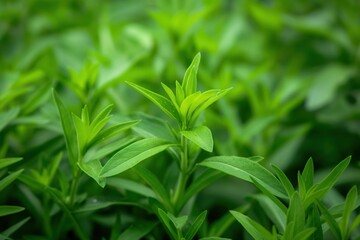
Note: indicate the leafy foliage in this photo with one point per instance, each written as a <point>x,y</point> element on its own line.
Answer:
<point>220,83</point>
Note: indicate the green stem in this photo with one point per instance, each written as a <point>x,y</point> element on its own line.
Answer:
<point>183,176</point>
<point>74,186</point>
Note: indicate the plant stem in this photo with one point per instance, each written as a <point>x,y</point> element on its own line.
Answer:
<point>73,188</point>
<point>183,176</point>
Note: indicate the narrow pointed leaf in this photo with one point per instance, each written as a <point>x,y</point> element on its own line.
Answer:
<point>256,230</point>
<point>132,155</point>
<point>13,228</point>
<point>93,169</point>
<point>9,179</point>
<point>308,174</point>
<point>101,115</point>
<point>112,131</point>
<point>162,102</point>
<point>314,220</point>
<point>209,102</point>
<point>169,226</point>
<point>244,168</point>
<point>155,184</point>
<point>201,136</point>
<point>330,220</point>
<point>276,201</point>
<point>137,230</point>
<point>284,181</point>
<point>179,92</point>
<point>97,153</point>
<point>272,210</point>
<point>4,162</point>
<point>350,204</point>
<point>196,226</point>
<point>296,212</point>
<point>304,234</point>
<point>179,222</point>
<point>69,131</point>
<point>318,191</point>
<point>7,210</point>
<point>126,184</point>
<point>329,181</point>
<point>190,77</point>
<point>91,207</point>
<point>171,95</point>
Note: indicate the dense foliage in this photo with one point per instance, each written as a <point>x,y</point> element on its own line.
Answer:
<point>178,119</point>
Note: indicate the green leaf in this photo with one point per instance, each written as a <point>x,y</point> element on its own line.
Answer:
<point>133,154</point>
<point>156,185</point>
<point>190,77</point>
<point>355,224</point>
<point>162,102</point>
<point>169,226</point>
<point>350,205</point>
<point>125,184</point>
<point>276,201</point>
<point>276,214</point>
<point>7,233</point>
<point>93,170</point>
<point>112,131</point>
<point>211,96</point>
<point>69,131</point>
<point>9,179</point>
<point>314,220</point>
<point>296,213</point>
<point>304,234</point>
<point>188,103</point>
<point>244,168</point>
<point>201,136</point>
<point>302,186</point>
<point>179,92</point>
<point>151,127</point>
<point>137,230</point>
<point>179,222</point>
<point>253,228</point>
<point>330,220</point>
<point>99,152</point>
<point>7,210</point>
<point>171,95</point>
<point>318,191</point>
<point>91,207</point>
<point>308,173</point>
<point>289,230</point>
<point>197,102</point>
<point>99,121</point>
<point>7,117</point>
<point>196,226</point>
<point>284,181</point>
<point>4,162</point>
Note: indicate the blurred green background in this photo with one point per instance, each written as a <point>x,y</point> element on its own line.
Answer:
<point>294,67</point>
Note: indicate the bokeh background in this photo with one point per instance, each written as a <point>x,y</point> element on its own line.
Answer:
<point>294,65</point>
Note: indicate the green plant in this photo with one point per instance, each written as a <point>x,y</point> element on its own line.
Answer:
<point>100,161</point>
<point>184,106</point>
<point>305,215</point>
